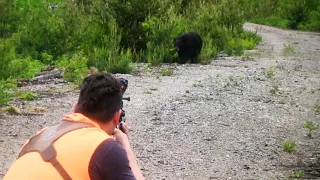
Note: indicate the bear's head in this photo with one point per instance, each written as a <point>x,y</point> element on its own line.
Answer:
<point>177,44</point>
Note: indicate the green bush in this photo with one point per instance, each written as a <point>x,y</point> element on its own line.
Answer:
<point>110,35</point>
<point>13,67</point>
<point>109,56</point>
<point>120,63</point>
<point>75,68</point>
<point>7,88</point>
<point>160,33</point>
<point>299,14</point>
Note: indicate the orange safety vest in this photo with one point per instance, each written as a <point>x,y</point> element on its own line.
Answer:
<point>68,157</point>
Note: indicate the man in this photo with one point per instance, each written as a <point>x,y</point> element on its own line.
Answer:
<point>86,144</point>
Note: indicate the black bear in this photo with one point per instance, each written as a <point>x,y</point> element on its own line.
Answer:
<point>188,45</point>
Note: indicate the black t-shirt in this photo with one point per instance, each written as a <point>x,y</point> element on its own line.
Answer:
<point>110,161</point>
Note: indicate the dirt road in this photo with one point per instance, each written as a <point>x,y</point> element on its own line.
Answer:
<point>219,121</point>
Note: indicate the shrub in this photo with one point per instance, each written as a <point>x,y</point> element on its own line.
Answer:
<point>289,145</point>
<point>160,33</point>
<point>311,127</point>
<point>76,68</point>
<point>7,88</point>
<point>109,56</point>
<point>299,14</point>
<point>120,63</point>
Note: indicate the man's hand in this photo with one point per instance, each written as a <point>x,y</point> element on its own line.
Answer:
<point>124,128</point>
<point>122,135</point>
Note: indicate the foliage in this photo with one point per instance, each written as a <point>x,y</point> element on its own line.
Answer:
<point>7,88</point>
<point>29,96</point>
<point>289,145</point>
<point>76,68</point>
<point>311,127</point>
<point>111,35</point>
<point>299,14</point>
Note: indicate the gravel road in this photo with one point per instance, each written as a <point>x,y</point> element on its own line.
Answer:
<point>219,121</point>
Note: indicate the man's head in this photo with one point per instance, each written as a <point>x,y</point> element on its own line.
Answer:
<point>100,97</point>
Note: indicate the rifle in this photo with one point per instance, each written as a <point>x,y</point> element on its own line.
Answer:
<point>124,86</point>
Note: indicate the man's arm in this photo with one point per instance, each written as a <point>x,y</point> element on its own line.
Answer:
<point>110,161</point>
<point>133,163</point>
<point>122,137</point>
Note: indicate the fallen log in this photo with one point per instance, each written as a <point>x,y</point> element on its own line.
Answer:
<point>42,77</point>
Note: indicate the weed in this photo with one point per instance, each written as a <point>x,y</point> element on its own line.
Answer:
<point>288,49</point>
<point>232,81</point>
<point>298,174</point>
<point>311,127</point>
<point>28,96</point>
<point>147,92</point>
<point>317,108</point>
<point>76,68</point>
<point>274,90</point>
<point>289,145</point>
<point>230,78</point>
<point>7,88</point>
<point>153,89</point>
<point>11,110</point>
<point>282,101</point>
<point>270,73</point>
<point>146,67</point>
<point>36,109</point>
<point>197,83</point>
<point>166,72</point>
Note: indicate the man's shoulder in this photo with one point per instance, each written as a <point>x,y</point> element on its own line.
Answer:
<point>108,146</point>
<point>110,161</point>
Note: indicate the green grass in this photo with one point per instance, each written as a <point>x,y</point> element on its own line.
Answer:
<point>11,110</point>
<point>317,108</point>
<point>272,21</point>
<point>166,71</point>
<point>289,50</point>
<point>28,96</point>
<point>297,175</point>
<point>289,145</point>
<point>147,92</point>
<point>153,89</point>
<point>197,84</point>
<point>275,90</point>
<point>311,127</point>
<point>270,73</point>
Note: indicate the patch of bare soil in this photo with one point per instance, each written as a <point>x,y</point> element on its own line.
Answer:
<point>225,120</point>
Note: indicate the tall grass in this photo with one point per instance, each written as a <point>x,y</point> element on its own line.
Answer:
<point>111,35</point>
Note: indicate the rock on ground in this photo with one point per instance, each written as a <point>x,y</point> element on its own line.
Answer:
<point>225,120</point>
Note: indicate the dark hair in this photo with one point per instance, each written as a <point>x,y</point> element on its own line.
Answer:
<point>100,97</point>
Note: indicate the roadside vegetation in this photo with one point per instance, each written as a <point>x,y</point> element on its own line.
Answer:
<point>298,14</point>
<point>113,35</point>
<point>110,35</point>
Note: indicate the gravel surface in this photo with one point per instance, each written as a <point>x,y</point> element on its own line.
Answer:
<point>219,121</point>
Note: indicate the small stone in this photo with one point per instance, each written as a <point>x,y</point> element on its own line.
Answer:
<point>162,162</point>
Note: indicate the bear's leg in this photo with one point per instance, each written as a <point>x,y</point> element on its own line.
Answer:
<point>183,57</point>
<point>193,57</point>
<point>193,60</point>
